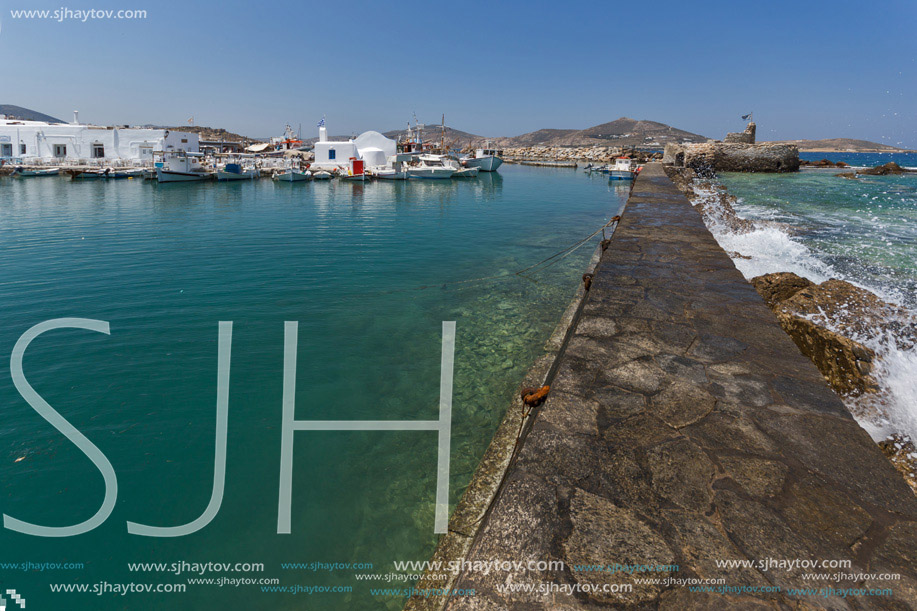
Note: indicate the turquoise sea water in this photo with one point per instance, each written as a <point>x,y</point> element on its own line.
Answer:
<point>863,231</point>
<point>163,264</point>
<point>905,160</point>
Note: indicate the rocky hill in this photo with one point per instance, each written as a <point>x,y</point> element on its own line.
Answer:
<point>621,132</point>
<point>25,114</point>
<point>211,133</point>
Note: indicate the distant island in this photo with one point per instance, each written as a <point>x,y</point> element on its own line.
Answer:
<point>842,145</point>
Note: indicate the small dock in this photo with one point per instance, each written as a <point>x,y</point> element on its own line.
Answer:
<point>684,437</point>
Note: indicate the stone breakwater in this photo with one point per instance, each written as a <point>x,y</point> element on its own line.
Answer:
<point>594,154</point>
<point>684,428</point>
<point>828,322</point>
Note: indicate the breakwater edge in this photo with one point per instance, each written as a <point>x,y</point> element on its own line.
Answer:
<point>834,260</point>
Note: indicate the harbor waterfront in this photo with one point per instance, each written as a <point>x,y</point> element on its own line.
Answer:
<point>369,270</point>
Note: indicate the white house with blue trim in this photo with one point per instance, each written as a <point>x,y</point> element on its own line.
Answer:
<point>330,155</point>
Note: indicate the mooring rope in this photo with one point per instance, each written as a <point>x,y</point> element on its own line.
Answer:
<point>546,263</point>
<point>532,398</point>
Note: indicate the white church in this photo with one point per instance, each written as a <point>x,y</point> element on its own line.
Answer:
<point>34,141</point>
<point>371,147</point>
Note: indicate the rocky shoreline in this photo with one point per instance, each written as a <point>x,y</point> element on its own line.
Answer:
<point>826,321</point>
<point>600,154</point>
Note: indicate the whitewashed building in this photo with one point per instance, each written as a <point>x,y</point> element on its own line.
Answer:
<point>330,155</point>
<point>372,147</point>
<point>34,141</point>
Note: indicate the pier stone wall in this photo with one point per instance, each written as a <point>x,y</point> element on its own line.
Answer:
<point>683,428</point>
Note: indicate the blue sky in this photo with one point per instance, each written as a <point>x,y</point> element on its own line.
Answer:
<point>806,69</point>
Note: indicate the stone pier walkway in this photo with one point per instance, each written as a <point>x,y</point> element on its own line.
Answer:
<point>685,428</point>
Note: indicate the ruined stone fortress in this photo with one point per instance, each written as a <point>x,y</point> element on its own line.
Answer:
<point>738,152</point>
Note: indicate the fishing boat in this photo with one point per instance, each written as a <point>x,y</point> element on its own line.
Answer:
<point>466,172</point>
<point>321,175</point>
<point>126,174</point>
<point>180,167</point>
<point>20,171</point>
<point>623,169</point>
<point>355,172</point>
<point>292,175</point>
<point>235,171</point>
<point>430,167</point>
<point>485,159</point>
<point>89,174</point>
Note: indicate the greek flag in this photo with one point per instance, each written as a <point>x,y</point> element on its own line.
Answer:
<point>744,117</point>
<point>322,122</point>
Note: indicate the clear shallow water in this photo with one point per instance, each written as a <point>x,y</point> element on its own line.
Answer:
<point>863,231</point>
<point>164,263</point>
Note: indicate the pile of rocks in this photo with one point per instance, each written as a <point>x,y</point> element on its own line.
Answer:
<point>823,163</point>
<point>594,154</point>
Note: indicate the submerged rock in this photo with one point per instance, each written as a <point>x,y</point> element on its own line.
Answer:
<point>882,170</point>
<point>847,175</point>
<point>902,453</point>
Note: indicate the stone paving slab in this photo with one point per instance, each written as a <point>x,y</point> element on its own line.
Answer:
<point>684,427</point>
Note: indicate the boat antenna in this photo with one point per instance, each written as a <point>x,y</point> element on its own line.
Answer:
<point>443,137</point>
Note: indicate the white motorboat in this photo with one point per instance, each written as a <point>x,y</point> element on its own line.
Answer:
<point>321,175</point>
<point>390,174</point>
<point>20,171</point>
<point>430,167</point>
<point>485,159</point>
<point>623,169</point>
<point>180,167</point>
<point>292,175</point>
<point>235,171</point>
